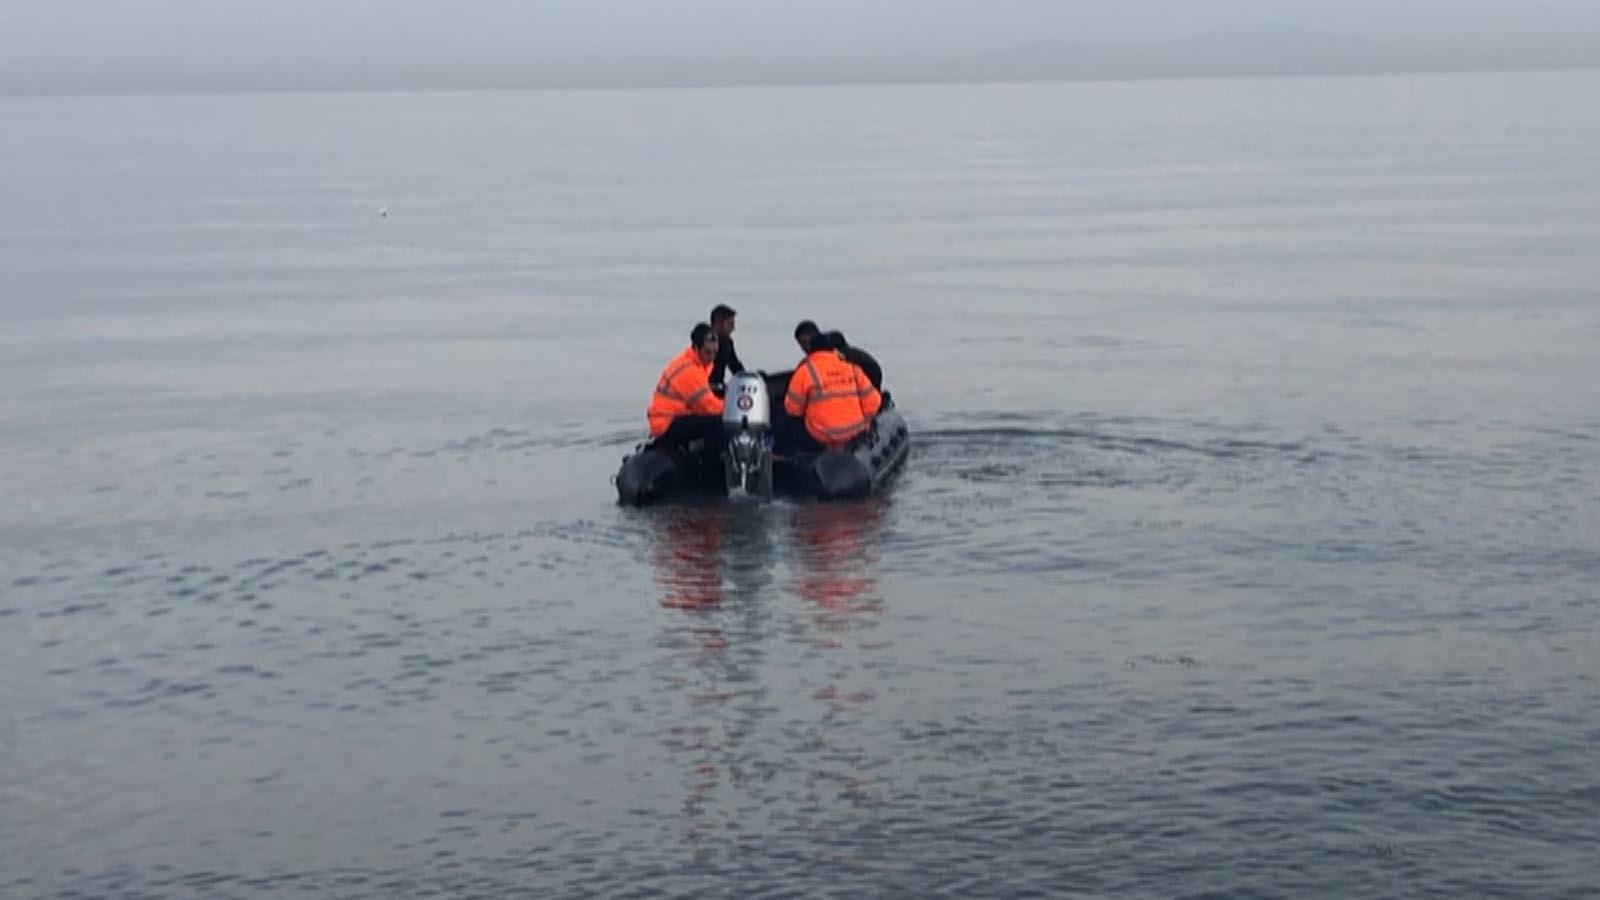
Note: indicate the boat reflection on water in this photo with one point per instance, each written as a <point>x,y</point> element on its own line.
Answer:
<point>686,550</point>
<point>715,565</point>
<point>835,557</point>
<point>836,553</point>
<point>705,553</point>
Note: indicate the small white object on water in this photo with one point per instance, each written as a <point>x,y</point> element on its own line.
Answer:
<point>383,213</point>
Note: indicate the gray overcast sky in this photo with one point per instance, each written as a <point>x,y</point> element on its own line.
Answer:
<point>49,44</point>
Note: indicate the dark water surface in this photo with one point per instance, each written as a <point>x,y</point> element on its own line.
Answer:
<point>1249,546</point>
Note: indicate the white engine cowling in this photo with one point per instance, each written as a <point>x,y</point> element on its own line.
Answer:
<point>747,421</point>
<point>745,405</point>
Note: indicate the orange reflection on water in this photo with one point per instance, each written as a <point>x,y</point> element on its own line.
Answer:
<point>836,552</point>
<point>687,556</point>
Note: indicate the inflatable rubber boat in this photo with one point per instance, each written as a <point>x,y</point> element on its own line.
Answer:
<point>747,461</point>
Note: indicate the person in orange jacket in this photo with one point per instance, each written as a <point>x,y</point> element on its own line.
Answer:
<point>807,329</point>
<point>683,406</point>
<point>832,395</point>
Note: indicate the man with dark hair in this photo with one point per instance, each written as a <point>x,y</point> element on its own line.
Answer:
<point>804,332</point>
<point>683,407</point>
<point>727,360</point>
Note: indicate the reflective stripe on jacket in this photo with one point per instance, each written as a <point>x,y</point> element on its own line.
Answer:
<point>835,397</point>
<point>683,389</point>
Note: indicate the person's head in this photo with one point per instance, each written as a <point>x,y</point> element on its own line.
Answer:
<point>804,333</point>
<point>836,340</point>
<point>722,320</point>
<point>704,340</point>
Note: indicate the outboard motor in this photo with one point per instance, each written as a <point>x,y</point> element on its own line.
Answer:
<point>747,422</point>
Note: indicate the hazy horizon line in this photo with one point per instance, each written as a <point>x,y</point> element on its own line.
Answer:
<point>690,84</point>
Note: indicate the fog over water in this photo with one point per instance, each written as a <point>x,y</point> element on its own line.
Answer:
<point>136,45</point>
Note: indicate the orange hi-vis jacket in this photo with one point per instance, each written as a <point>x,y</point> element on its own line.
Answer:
<point>683,389</point>
<point>836,398</point>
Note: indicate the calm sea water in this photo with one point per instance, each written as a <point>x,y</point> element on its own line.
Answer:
<point>1249,547</point>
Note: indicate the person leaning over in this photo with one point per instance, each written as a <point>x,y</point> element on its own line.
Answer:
<point>867,362</point>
